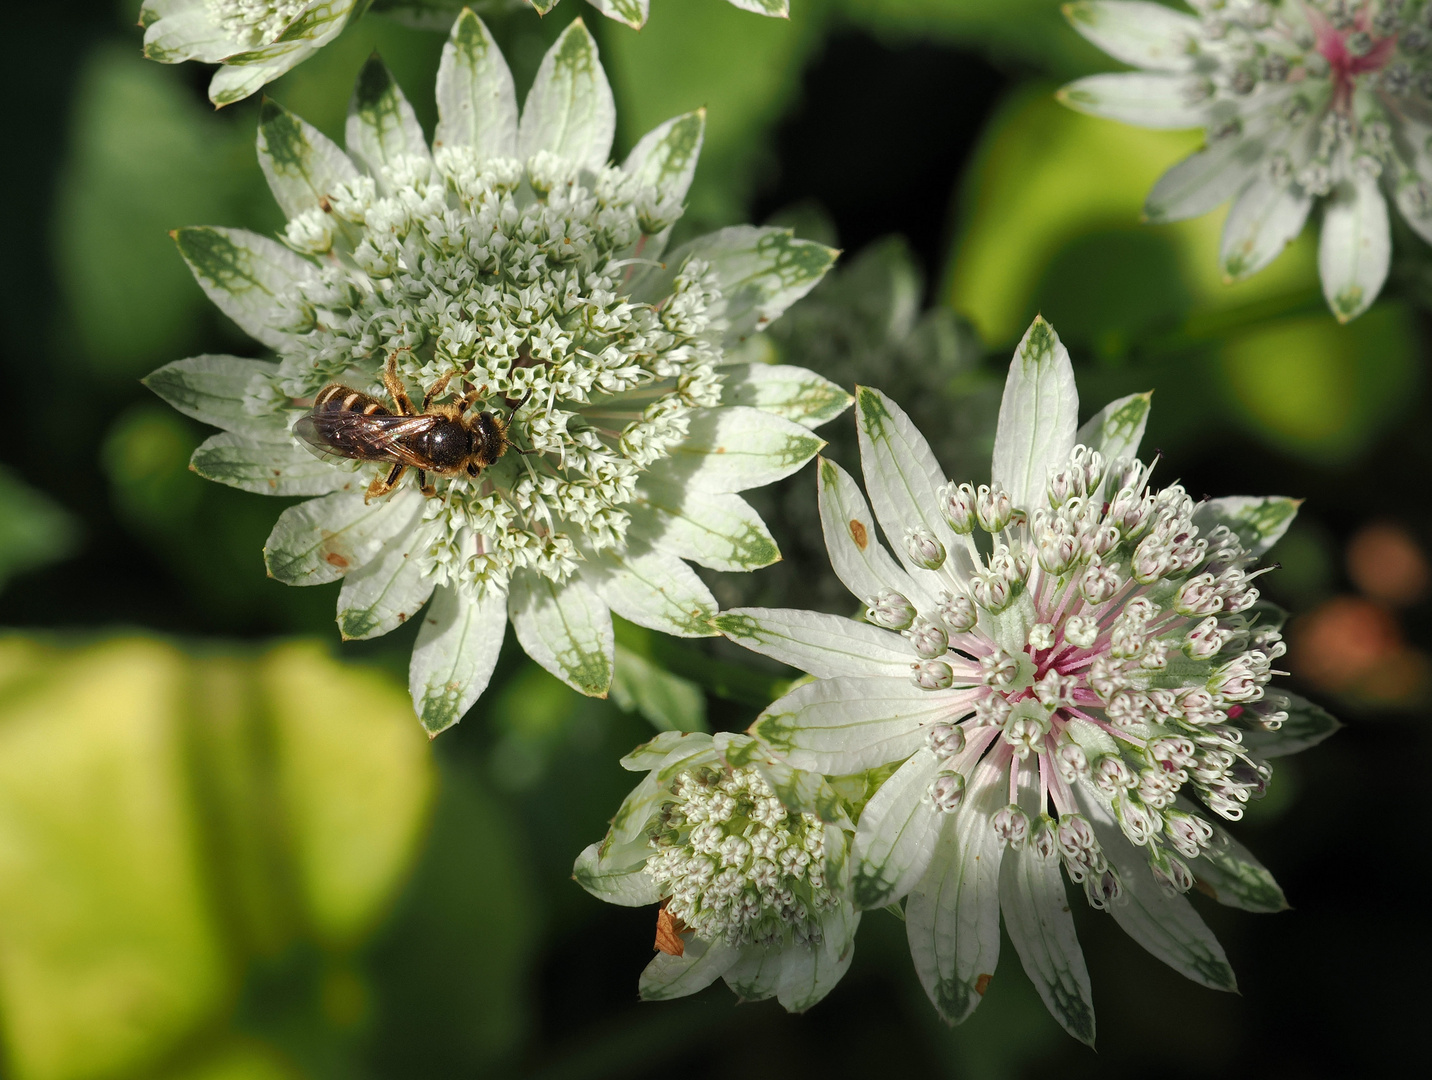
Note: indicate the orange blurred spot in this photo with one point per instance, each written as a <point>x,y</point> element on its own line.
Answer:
<point>1387,564</point>
<point>1354,647</point>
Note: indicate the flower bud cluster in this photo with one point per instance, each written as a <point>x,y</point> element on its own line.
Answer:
<point>736,865</point>
<point>1139,623</point>
<point>512,279</point>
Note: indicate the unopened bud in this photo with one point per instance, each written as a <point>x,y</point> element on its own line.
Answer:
<point>924,549</point>
<point>1011,827</point>
<point>929,640</point>
<point>958,612</point>
<point>947,791</point>
<point>890,610</point>
<point>933,675</point>
<point>957,503</point>
<point>1081,631</point>
<point>993,508</point>
<point>946,740</point>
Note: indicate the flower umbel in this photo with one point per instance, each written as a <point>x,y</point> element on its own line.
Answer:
<point>509,268</point>
<point>254,41</point>
<point>1304,102</point>
<point>747,856</point>
<point>1066,663</point>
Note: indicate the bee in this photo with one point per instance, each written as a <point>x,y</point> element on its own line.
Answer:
<point>438,439</point>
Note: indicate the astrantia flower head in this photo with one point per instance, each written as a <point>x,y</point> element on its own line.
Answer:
<point>510,269</point>
<point>634,12</point>
<point>748,858</point>
<point>1071,665</point>
<point>1303,102</point>
<point>255,41</point>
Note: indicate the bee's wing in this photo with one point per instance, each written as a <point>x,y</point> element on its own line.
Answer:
<point>312,438</point>
<point>367,438</point>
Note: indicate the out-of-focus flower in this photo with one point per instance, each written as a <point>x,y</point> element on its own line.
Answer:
<point>633,12</point>
<point>253,41</point>
<point>1304,102</point>
<point>1354,646</point>
<point>1387,564</point>
<point>748,859</point>
<point>508,267</point>
<point>1064,664</point>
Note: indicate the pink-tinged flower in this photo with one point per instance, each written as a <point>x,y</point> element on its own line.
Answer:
<point>1303,102</point>
<point>1067,665</point>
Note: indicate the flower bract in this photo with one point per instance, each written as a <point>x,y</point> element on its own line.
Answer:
<point>253,41</point>
<point>749,859</point>
<point>1070,668</point>
<point>1304,103</point>
<point>507,273</point>
<point>634,12</point>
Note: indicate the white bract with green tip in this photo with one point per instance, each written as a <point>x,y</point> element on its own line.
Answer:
<point>253,41</point>
<point>634,12</point>
<point>511,259</point>
<point>749,855</point>
<point>1304,103</point>
<point>1067,666</point>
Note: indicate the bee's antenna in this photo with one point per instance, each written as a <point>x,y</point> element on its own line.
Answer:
<point>512,409</point>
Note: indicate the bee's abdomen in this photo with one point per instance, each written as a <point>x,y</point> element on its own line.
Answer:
<point>335,397</point>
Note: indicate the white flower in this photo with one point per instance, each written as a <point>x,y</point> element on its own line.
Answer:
<point>633,12</point>
<point>748,858</point>
<point>1085,664</point>
<point>254,41</point>
<point>1303,102</point>
<point>511,267</point>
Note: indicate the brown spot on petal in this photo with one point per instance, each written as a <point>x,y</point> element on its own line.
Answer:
<point>859,534</point>
<point>982,984</point>
<point>668,933</point>
<point>335,559</point>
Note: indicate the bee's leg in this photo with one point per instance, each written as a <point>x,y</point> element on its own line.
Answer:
<point>471,397</point>
<point>395,385</point>
<point>435,390</point>
<point>381,485</point>
<point>428,490</point>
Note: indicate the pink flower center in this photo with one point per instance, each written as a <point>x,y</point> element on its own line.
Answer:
<point>1344,65</point>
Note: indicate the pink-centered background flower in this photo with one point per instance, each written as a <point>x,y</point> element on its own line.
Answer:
<point>1304,103</point>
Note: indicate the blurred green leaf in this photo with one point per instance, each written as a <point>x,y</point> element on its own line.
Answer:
<point>1047,225</point>
<point>238,1059</point>
<point>468,923</point>
<point>33,529</point>
<point>145,156</point>
<point>744,70</point>
<point>1321,390</point>
<point>166,820</point>
<point>355,786</point>
<point>667,701</point>
<point>146,453</point>
<point>534,714</point>
<point>1029,31</point>
<point>109,949</point>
